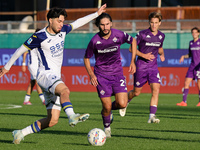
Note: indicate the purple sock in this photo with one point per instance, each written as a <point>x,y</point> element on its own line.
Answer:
<point>185,93</point>
<point>199,96</point>
<point>153,109</point>
<point>106,121</point>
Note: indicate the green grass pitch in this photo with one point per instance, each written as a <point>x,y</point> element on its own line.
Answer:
<point>179,128</point>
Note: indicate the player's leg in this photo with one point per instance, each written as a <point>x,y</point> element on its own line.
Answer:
<point>106,114</point>
<point>28,92</point>
<point>37,126</point>
<point>63,91</point>
<point>198,84</point>
<point>41,95</point>
<point>185,92</point>
<point>155,88</point>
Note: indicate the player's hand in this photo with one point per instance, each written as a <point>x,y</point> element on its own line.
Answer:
<point>101,9</point>
<point>93,80</point>
<point>132,68</point>
<point>149,56</point>
<point>181,59</point>
<point>3,71</point>
<point>162,58</point>
<point>23,68</point>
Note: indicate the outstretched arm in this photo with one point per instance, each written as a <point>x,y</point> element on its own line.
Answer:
<point>84,20</point>
<point>93,78</point>
<point>14,57</point>
<point>183,57</point>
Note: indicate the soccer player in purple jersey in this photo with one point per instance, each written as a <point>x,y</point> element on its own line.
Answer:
<point>108,76</point>
<point>149,43</point>
<point>50,44</point>
<point>194,68</point>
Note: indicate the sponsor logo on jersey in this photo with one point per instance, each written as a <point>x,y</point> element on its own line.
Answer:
<point>153,44</point>
<point>195,48</point>
<point>109,49</point>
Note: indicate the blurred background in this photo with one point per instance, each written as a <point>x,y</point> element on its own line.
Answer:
<point>20,18</point>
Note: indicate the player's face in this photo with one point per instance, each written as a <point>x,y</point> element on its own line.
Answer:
<point>56,24</point>
<point>105,26</point>
<point>154,24</point>
<point>195,34</point>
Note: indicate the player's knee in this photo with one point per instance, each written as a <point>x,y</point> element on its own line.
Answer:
<point>53,123</point>
<point>65,92</point>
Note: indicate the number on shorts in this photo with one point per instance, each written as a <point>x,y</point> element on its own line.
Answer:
<point>123,82</point>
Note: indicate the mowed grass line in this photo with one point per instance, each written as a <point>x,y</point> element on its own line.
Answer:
<point>179,127</point>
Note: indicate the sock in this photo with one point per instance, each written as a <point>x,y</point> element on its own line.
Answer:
<point>41,97</point>
<point>68,108</point>
<point>27,97</point>
<point>185,93</point>
<point>153,110</point>
<point>31,129</point>
<point>199,96</point>
<point>106,121</point>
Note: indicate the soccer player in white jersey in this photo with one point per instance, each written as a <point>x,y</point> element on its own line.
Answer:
<point>32,67</point>
<point>193,72</point>
<point>50,44</point>
<point>150,42</point>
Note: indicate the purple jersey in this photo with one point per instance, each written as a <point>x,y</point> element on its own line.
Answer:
<point>147,42</point>
<point>107,52</point>
<point>194,51</point>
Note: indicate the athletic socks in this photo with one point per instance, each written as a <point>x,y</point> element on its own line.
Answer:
<point>68,108</point>
<point>153,110</point>
<point>31,129</point>
<point>27,97</point>
<point>41,97</point>
<point>185,93</point>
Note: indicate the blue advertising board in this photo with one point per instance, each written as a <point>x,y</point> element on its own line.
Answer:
<point>75,57</point>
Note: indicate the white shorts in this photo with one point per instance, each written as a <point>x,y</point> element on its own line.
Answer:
<point>48,81</point>
<point>33,71</point>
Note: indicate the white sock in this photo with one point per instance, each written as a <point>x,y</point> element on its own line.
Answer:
<point>41,97</point>
<point>27,98</point>
<point>27,130</point>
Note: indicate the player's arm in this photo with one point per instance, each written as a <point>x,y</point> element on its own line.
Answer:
<point>132,67</point>
<point>183,57</point>
<point>84,20</point>
<point>24,61</point>
<point>14,57</point>
<point>93,78</point>
<point>161,53</point>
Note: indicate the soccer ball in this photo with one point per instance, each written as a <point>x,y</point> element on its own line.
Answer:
<point>96,137</point>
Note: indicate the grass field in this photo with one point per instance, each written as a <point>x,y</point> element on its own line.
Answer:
<point>179,128</point>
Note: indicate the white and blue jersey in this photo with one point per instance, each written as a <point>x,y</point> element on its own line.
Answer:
<point>50,48</point>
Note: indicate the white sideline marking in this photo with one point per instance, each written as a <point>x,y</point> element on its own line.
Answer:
<point>9,106</point>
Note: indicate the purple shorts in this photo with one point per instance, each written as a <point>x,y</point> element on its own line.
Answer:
<point>110,85</point>
<point>193,73</point>
<point>142,76</point>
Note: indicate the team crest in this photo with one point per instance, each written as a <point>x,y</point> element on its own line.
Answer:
<point>114,39</point>
<point>160,37</point>
<point>102,92</point>
<point>197,43</point>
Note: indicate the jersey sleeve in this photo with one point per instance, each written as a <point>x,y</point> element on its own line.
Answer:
<point>138,37</point>
<point>163,38</point>
<point>67,28</point>
<point>32,42</point>
<point>89,51</point>
<point>127,38</point>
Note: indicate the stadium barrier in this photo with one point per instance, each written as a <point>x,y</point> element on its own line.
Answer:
<point>77,79</point>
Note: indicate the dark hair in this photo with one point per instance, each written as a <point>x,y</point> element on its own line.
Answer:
<point>155,15</point>
<point>195,28</point>
<point>103,15</point>
<point>56,12</point>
